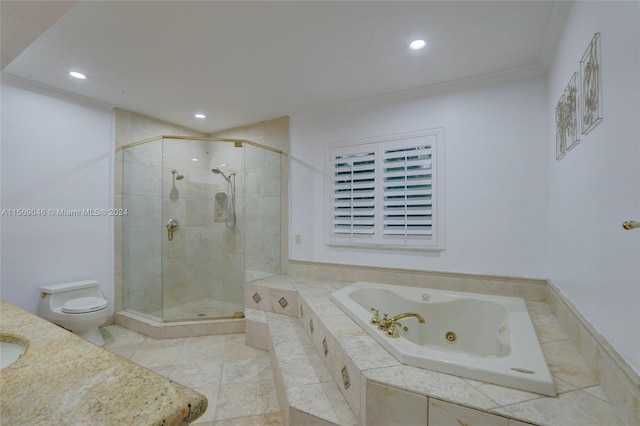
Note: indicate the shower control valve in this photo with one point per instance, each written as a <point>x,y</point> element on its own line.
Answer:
<point>172,225</point>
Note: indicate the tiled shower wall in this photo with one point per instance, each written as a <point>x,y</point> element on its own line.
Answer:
<point>261,201</point>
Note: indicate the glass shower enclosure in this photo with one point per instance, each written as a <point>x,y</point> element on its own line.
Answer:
<point>203,217</point>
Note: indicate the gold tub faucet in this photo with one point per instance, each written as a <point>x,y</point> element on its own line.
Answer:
<point>389,324</point>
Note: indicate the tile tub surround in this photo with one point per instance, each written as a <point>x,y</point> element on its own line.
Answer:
<point>62,377</point>
<point>372,370</point>
<point>307,391</point>
<point>620,381</point>
<point>526,288</point>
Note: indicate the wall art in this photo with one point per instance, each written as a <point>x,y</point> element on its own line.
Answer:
<point>561,134</point>
<point>567,118</point>
<point>591,86</point>
<point>571,114</point>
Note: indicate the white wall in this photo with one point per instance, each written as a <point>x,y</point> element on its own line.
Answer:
<point>496,175</point>
<point>596,186</point>
<point>57,153</point>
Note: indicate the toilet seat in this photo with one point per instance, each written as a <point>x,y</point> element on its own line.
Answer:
<point>84,304</point>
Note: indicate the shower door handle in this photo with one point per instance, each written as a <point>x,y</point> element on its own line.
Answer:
<point>172,225</point>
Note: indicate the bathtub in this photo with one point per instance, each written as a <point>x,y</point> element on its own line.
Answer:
<point>481,337</point>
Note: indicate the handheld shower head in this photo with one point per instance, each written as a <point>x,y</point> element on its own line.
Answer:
<point>230,216</point>
<point>220,172</point>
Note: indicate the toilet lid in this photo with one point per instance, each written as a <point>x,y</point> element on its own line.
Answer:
<point>84,304</point>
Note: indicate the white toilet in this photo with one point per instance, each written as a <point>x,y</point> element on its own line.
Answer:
<point>79,307</point>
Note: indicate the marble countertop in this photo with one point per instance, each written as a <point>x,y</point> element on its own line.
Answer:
<point>64,379</point>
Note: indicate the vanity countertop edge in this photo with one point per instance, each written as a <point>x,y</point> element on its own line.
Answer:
<point>64,379</point>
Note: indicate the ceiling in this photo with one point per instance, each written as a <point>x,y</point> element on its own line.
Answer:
<point>242,62</point>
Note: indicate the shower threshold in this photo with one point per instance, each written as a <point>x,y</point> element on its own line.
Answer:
<point>201,326</point>
<point>236,315</point>
<point>200,309</point>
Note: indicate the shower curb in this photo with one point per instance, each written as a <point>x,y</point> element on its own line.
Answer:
<point>158,330</point>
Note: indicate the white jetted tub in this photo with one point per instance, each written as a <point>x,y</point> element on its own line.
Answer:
<point>481,337</point>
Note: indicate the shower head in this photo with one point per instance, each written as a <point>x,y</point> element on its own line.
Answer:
<point>220,172</point>
<point>177,175</point>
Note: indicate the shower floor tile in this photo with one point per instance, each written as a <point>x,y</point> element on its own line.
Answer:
<point>200,309</point>
<point>236,379</point>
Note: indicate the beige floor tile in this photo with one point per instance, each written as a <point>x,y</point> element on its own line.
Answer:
<point>236,348</point>
<point>247,370</point>
<point>212,399</point>
<point>218,340</point>
<point>236,379</point>
<point>193,354</point>
<point>116,336</point>
<point>150,343</point>
<point>246,399</point>
<point>271,419</point>
<point>123,351</point>
<point>203,375</point>
<point>155,357</point>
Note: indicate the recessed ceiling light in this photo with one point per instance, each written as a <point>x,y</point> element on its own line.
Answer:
<point>417,44</point>
<point>78,75</point>
<point>199,116</point>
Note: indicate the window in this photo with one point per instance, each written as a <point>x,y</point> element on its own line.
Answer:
<point>387,191</point>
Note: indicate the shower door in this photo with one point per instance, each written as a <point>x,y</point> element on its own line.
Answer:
<point>141,241</point>
<point>202,246</point>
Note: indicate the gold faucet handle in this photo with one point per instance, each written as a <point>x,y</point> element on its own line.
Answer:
<point>392,330</point>
<point>384,322</point>
<point>376,316</point>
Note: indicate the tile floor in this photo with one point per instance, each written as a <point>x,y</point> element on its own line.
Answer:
<point>236,379</point>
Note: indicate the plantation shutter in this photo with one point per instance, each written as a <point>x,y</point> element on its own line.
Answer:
<point>408,181</point>
<point>387,192</point>
<point>354,193</point>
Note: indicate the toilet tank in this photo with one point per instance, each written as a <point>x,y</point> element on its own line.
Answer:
<point>60,293</point>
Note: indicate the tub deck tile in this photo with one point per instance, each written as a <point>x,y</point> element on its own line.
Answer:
<point>580,399</point>
<point>366,353</point>
<point>503,395</point>
<point>438,385</point>
<point>572,408</point>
